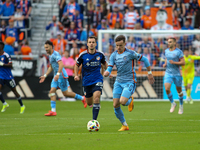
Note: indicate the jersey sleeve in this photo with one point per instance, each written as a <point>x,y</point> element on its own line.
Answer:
<point>111,60</point>
<point>8,59</point>
<point>79,61</point>
<point>195,57</point>
<point>135,55</point>
<point>58,58</point>
<point>103,60</point>
<point>180,56</point>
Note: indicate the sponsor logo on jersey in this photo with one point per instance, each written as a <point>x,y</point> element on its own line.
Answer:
<point>98,57</point>
<point>124,57</point>
<point>87,59</point>
<point>2,58</point>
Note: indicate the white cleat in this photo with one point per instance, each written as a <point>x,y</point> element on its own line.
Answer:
<point>180,110</point>
<point>191,101</point>
<point>173,106</point>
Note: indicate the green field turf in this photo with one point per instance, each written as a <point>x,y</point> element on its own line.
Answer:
<point>151,125</point>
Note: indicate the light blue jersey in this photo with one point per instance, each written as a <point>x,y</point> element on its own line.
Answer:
<point>174,55</point>
<point>54,58</point>
<point>125,65</point>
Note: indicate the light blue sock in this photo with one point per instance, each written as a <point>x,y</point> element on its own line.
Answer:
<point>170,96</point>
<point>128,102</point>
<point>181,100</point>
<point>78,97</point>
<point>119,114</point>
<point>53,104</point>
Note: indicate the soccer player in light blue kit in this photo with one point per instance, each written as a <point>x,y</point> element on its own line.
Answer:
<point>174,59</point>
<point>6,77</point>
<point>125,83</point>
<point>60,79</point>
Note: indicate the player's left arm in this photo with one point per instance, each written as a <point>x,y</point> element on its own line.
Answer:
<point>194,57</point>
<point>180,63</point>
<point>60,63</point>
<point>8,60</point>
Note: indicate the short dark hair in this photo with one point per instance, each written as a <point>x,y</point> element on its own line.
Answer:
<point>120,37</point>
<point>162,10</point>
<point>186,49</point>
<point>49,43</point>
<point>2,45</point>
<point>174,39</point>
<point>92,37</point>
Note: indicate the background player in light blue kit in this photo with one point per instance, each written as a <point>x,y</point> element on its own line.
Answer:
<point>174,59</point>
<point>6,77</point>
<point>125,83</point>
<point>60,79</point>
<point>91,61</point>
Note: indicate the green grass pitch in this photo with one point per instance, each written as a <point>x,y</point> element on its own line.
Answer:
<point>151,125</point>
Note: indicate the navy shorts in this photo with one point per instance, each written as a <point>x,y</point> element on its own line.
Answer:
<point>89,90</point>
<point>10,83</point>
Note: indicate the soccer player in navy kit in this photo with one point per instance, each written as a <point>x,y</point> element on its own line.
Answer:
<point>91,61</point>
<point>125,83</point>
<point>6,77</point>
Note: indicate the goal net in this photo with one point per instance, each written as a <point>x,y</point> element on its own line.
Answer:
<point>151,44</point>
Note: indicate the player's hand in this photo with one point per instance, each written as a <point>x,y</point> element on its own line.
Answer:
<point>151,78</point>
<point>164,65</point>
<point>171,61</point>
<point>106,74</point>
<point>110,76</point>
<point>1,63</point>
<point>42,78</point>
<point>76,78</point>
<point>56,77</point>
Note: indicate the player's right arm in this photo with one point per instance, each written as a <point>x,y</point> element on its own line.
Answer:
<point>76,68</point>
<point>110,65</point>
<point>194,57</point>
<point>42,78</point>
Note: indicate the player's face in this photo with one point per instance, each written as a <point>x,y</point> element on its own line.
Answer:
<point>48,48</point>
<point>120,45</point>
<point>186,53</point>
<point>91,44</point>
<point>171,43</point>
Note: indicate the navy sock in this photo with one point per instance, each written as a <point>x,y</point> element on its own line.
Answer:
<point>20,101</point>
<point>1,98</point>
<point>95,111</point>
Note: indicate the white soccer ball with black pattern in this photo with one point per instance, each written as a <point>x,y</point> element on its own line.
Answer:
<point>93,125</point>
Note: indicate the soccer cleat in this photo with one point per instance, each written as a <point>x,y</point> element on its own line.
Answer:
<point>191,101</point>
<point>173,106</point>
<point>4,107</point>
<point>124,128</point>
<point>131,105</point>
<point>22,109</point>
<point>51,113</point>
<point>186,101</point>
<point>180,110</point>
<point>84,102</point>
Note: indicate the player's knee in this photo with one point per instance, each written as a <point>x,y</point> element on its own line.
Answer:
<point>122,101</point>
<point>96,100</point>
<point>52,94</point>
<point>116,105</point>
<point>168,91</point>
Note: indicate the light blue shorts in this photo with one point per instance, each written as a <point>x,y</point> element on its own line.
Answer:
<point>170,79</point>
<point>123,89</point>
<point>61,83</point>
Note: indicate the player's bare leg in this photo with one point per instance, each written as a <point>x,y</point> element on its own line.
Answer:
<point>52,95</point>
<point>119,113</point>
<point>170,96</point>
<point>187,99</point>
<point>5,105</point>
<point>189,93</point>
<point>89,101</point>
<point>127,102</point>
<point>76,96</point>
<point>180,94</point>
<point>96,104</point>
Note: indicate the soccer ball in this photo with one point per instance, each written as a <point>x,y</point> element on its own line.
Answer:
<point>93,125</point>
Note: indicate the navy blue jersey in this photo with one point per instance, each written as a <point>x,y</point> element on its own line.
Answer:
<point>91,66</point>
<point>5,72</point>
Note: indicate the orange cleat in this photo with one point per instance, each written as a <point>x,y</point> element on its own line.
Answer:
<point>131,105</point>
<point>51,113</point>
<point>84,102</point>
<point>124,128</point>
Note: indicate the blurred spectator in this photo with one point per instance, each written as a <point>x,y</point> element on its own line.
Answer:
<point>146,43</point>
<point>185,41</point>
<point>138,36</point>
<point>103,25</point>
<point>65,21</point>
<point>176,21</point>
<point>19,18</point>
<point>162,58</point>
<point>2,29</point>
<point>119,4</point>
<point>7,9</point>
<point>161,18</point>
<point>131,43</point>
<point>197,20</point>
<point>149,3</point>
<point>193,7</point>
<point>105,8</point>
<point>8,48</point>
<point>97,16</point>
<point>110,50</point>
<point>114,17</point>
<point>72,34</point>
<point>68,63</point>
<point>90,7</point>
<point>180,8</point>
<point>61,4</point>
<point>164,4</point>
<point>71,7</point>
<point>83,48</point>
<point>117,25</point>
<point>78,19</point>
<point>187,26</point>
<point>75,54</point>
<point>59,44</point>
<point>131,18</point>
<point>196,44</point>
<point>146,18</point>
<point>26,50</point>
<point>84,33</point>
<point>54,27</point>
<point>74,46</point>
<point>149,56</point>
